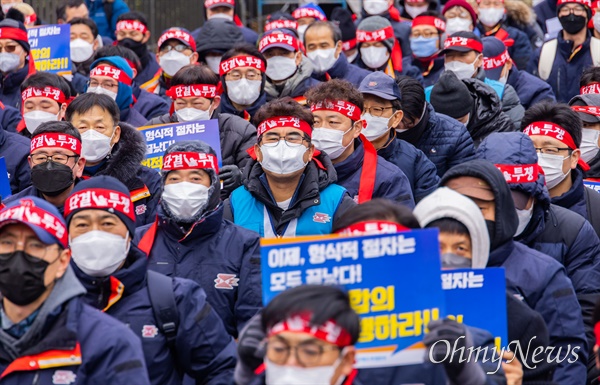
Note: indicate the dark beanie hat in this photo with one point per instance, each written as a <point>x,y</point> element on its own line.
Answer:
<point>343,18</point>
<point>102,193</point>
<point>451,97</point>
<point>15,30</point>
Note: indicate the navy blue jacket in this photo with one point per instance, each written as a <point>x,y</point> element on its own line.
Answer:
<point>10,118</point>
<point>15,150</point>
<point>250,36</point>
<point>520,51</point>
<point>149,105</point>
<point>132,116</point>
<point>96,9</point>
<point>574,199</point>
<point>390,181</point>
<point>343,70</point>
<point>430,75</point>
<point>203,349</point>
<point>530,89</point>
<point>10,87</point>
<point>420,171</point>
<point>227,107</point>
<point>213,248</point>
<point>150,70</point>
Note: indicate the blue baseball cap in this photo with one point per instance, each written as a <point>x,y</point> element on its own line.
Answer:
<point>380,85</point>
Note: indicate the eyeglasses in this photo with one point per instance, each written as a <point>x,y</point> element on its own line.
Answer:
<point>577,11</point>
<point>58,158</point>
<point>307,354</point>
<point>178,48</point>
<point>33,248</point>
<point>291,140</point>
<point>552,150</point>
<point>9,48</point>
<point>425,34</point>
<point>105,85</point>
<point>376,111</point>
<point>250,75</point>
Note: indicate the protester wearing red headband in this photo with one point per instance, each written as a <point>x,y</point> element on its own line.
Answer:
<point>426,41</point>
<point>306,15</point>
<point>225,9</point>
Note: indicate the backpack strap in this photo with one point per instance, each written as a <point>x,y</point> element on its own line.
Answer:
<point>162,298</point>
<point>547,55</point>
<point>592,199</point>
<point>595,51</point>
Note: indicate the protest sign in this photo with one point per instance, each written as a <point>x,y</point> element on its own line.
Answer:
<point>593,184</point>
<point>5,190</point>
<point>50,48</point>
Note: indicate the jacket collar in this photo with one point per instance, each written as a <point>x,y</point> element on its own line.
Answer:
<point>351,164</point>
<point>227,107</point>
<point>499,255</point>
<point>208,225</point>
<point>337,71</point>
<point>12,81</point>
<point>566,47</point>
<point>575,194</point>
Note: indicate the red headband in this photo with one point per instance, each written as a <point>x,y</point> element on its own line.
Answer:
<point>521,173</point>
<point>278,24</point>
<point>590,110</point>
<point>458,41</point>
<point>209,3</point>
<point>593,88</point>
<point>552,130</point>
<point>131,25</point>
<point>430,20</point>
<point>597,333</point>
<point>241,61</point>
<point>13,33</point>
<point>30,19</point>
<point>373,36</point>
<point>46,92</point>
<point>284,121</point>
<point>329,332</point>
<point>278,38</point>
<point>349,44</point>
<point>189,160</point>
<point>489,63</point>
<point>372,227</point>
<point>208,91</point>
<point>343,107</point>
<point>177,34</point>
<point>38,217</point>
<point>98,198</point>
<point>585,3</point>
<point>55,139</point>
<point>111,72</point>
<point>302,12</point>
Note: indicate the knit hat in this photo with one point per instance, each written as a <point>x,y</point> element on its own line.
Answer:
<point>587,107</point>
<point>15,30</point>
<point>309,10</point>
<point>495,56</point>
<point>343,18</point>
<point>464,4</point>
<point>450,96</point>
<point>377,28</point>
<point>102,192</point>
<point>40,216</point>
<point>462,41</point>
<point>117,68</point>
<point>219,36</point>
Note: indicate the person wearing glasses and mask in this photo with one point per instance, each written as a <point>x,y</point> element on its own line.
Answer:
<point>426,42</point>
<point>288,190</point>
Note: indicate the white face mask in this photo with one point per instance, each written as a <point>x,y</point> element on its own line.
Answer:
<point>9,61</point>
<point>301,30</point>
<point>460,69</point>
<point>376,126</point>
<point>173,61</point>
<point>458,24</point>
<point>552,166</point>
<point>98,253</point>
<point>374,57</point>
<point>330,141</point>
<point>33,119</point>
<point>102,91</point>
<point>185,199</point>
<point>296,375</point>
<point>352,57</point>
<point>281,67</point>
<point>323,59</point>
<point>81,50</point>
<point>596,20</point>
<point>213,63</point>
<point>589,144</point>
<point>243,91</point>
<point>524,218</point>
<point>190,114</point>
<point>375,7</point>
<point>415,11</point>
<point>7,6</point>
<point>282,158</point>
<point>221,16</point>
<point>95,146</point>
<point>490,16</point>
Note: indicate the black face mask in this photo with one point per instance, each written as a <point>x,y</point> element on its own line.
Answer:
<point>52,178</point>
<point>139,48</point>
<point>491,228</point>
<point>22,277</point>
<point>572,24</point>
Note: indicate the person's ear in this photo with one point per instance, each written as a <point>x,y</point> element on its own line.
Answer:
<point>216,102</point>
<point>259,155</point>
<point>479,61</point>
<point>396,119</point>
<point>78,171</point>
<point>61,112</point>
<point>575,158</point>
<point>134,72</point>
<point>358,127</point>
<point>194,58</point>
<point>310,152</point>
<point>95,44</point>
<point>338,49</point>
<point>116,135</point>
<point>347,365</point>
<point>298,58</point>
<point>509,65</point>
<point>63,263</point>
<point>146,37</point>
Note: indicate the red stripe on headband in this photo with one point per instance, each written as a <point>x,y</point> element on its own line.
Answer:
<point>349,44</point>
<point>209,3</point>
<point>597,333</point>
<point>343,107</point>
<point>55,139</point>
<point>585,3</point>
<point>458,41</point>
<point>277,38</point>
<point>189,160</point>
<point>131,25</point>
<point>490,63</point>
<point>179,35</point>
<point>284,121</point>
<point>329,332</point>
<point>552,130</point>
<point>593,88</point>
<point>590,110</point>
<point>373,36</point>
<point>111,72</point>
<point>13,33</point>
<point>278,24</point>
<point>97,198</point>
<point>29,213</point>
<point>433,21</point>
<point>241,61</point>
<point>300,13</point>
<point>46,92</point>
<point>520,173</point>
<point>208,91</point>
<point>372,227</point>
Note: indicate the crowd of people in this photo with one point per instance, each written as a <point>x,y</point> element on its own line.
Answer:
<point>480,119</point>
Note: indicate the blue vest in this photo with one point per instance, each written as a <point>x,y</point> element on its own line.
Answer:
<point>251,214</point>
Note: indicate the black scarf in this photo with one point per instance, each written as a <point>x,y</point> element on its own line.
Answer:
<point>412,135</point>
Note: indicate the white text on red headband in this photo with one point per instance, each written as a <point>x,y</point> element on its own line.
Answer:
<point>521,173</point>
<point>593,88</point>
<point>27,212</point>
<point>489,63</point>
<point>345,108</point>
<point>46,92</point>
<point>277,38</point>
<point>179,35</point>
<point>55,139</point>
<point>207,91</point>
<point>374,36</point>
<point>590,110</point>
<point>373,227</point>
<point>552,130</point>
<point>278,24</point>
<point>98,198</point>
<point>189,160</point>
<point>131,25</point>
<point>458,41</point>
<point>300,13</point>
<point>283,121</point>
<point>329,332</point>
<point>433,21</point>
<point>241,61</point>
<point>115,73</point>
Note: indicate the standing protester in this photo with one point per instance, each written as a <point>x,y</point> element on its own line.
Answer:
<point>426,42</point>
<point>16,62</point>
<point>306,15</point>
<point>217,37</point>
<point>176,48</point>
<point>388,10</point>
<point>225,9</point>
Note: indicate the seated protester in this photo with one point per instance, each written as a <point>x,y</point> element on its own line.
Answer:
<point>84,42</point>
<point>14,149</point>
<point>176,48</point>
<point>463,55</point>
<point>16,63</point>
<point>288,190</point>
<point>337,107</point>
<point>589,82</point>
<point>471,103</point>
<point>115,275</point>
<point>225,9</point>
<point>243,81</point>
<point>382,109</point>
<point>44,318</point>
<point>426,40</point>
<point>149,105</point>
<point>115,149</point>
<point>190,238</point>
<point>498,65</point>
<point>305,15</point>
<point>288,70</point>
<point>132,32</point>
<point>548,291</point>
<point>343,18</point>
<point>323,44</point>
<point>460,16</point>
<point>445,141</point>
<point>106,22</point>
<point>10,118</point>
<point>195,97</point>
<point>56,164</point>
<point>492,16</point>
<point>113,76</point>
<point>388,10</point>
<point>217,37</point>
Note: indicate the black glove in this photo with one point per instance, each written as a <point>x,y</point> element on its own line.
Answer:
<point>231,177</point>
<point>467,372</point>
<point>251,350</point>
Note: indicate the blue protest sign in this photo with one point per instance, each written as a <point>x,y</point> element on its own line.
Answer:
<point>5,190</point>
<point>393,281</point>
<point>160,137</point>
<point>594,185</point>
<point>50,48</point>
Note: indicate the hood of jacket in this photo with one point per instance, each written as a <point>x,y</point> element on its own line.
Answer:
<point>486,116</point>
<point>447,203</point>
<point>304,71</point>
<point>506,220</point>
<point>520,12</point>
<point>218,35</point>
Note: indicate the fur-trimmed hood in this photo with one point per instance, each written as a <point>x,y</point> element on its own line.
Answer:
<point>520,12</point>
